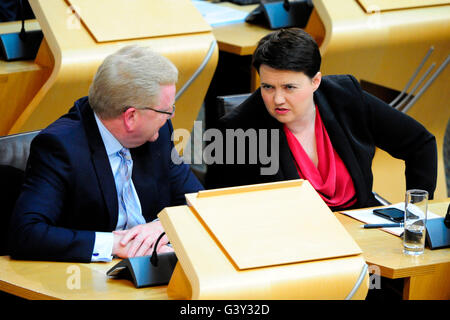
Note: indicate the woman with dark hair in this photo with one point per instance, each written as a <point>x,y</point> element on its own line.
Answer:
<point>327,128</point>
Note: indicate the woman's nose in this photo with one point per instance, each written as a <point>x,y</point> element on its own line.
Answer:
<point>278,97</point>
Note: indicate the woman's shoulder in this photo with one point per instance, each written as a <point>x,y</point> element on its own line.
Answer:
<point>340,90</point>
<point>340,82</point>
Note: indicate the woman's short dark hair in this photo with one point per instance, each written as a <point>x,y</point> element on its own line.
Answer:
<point>288,49</point>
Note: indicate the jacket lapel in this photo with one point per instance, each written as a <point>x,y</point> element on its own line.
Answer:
<point>288,170</point>
<point>341,144</point>
<point>101,164</point>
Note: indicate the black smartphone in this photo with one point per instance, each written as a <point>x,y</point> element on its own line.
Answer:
<point>392,214</point>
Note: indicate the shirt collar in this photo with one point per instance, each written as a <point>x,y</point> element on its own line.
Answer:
<point>112,145</point>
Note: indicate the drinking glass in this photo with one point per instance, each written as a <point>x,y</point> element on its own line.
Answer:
<point>416,206</point>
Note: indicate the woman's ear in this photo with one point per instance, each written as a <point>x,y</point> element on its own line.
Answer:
<point>316,80</point>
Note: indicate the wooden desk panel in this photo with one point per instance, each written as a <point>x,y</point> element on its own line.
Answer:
<point>386,250</point>
<point>239,38</point>
<point>38,280</point>
<point>426,276</point>
<point>139,19</point>
<point>385,5</point>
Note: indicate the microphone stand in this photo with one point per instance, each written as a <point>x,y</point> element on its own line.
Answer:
<point>22,45</point>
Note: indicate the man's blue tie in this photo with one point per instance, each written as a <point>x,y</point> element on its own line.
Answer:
<point>127,201</point>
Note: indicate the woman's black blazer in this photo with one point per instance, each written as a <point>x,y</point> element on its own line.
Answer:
<point>356,122</point>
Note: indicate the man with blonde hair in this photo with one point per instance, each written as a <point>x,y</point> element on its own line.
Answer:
<point>98,176</point>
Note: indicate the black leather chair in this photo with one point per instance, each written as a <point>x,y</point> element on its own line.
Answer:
<point>224,105</point>
<point>14,151</point>
<point>227,103</point>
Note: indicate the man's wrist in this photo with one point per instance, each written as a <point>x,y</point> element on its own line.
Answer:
<point>103,247</point>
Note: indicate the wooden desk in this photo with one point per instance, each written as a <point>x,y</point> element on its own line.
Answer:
<point>426,276</point>
<point>239,38</point>
<point>38,280</point>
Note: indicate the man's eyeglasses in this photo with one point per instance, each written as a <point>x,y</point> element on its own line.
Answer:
<point>169,113</point>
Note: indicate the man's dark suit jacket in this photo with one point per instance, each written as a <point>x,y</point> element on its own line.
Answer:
<point>69,190</point>
<point>356,123</point>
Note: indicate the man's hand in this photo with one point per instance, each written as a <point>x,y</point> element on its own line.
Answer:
<point>139,241</point>
<point>118,249</point>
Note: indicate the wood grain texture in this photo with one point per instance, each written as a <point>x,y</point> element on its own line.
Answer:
<point>426,276</point>
<point>40,280</point>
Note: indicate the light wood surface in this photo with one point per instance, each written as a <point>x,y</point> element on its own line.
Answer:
<point>254,242</point>
<point>239,38</point>
<point>137,20</point>
<point>39,280</point>
<point>204,270</point>
<point>426,276</point>
<point>72,55</point>
<point>385,250</point>
<point>385,5</point>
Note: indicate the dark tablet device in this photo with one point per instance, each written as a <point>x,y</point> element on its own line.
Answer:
<point>392,214</point>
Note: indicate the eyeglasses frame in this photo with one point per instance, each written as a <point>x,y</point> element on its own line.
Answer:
<point>153,109</point>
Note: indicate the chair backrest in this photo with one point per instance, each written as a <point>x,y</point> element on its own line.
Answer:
<point>227,103</point>
<point>14,151</point>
